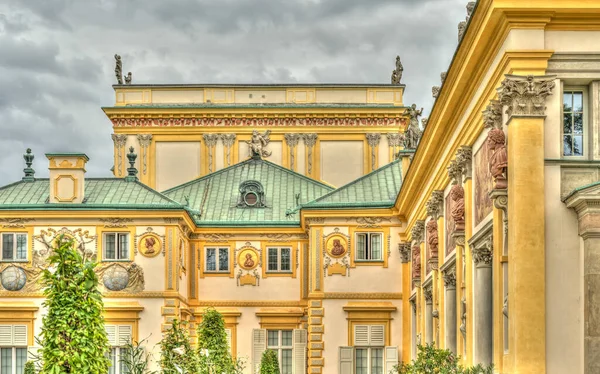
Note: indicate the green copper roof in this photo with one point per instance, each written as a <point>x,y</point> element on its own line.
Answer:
<point>376,189</point>
<point>215,197</point>
<point>100,193</point>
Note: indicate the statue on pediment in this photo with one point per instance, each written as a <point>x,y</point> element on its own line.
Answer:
<point>258,144</point>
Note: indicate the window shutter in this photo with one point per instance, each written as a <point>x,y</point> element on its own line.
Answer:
<point>20,335</point>
<point>5,335</point>
<point>346,360</point>
<point>377,335</point>
<point>124,335</point>
<point>111,334</point>
<point>228,333</point>
<point>361,335</point>
<point>259,345</point>
<point>299,351</point>
<point>391,358</point>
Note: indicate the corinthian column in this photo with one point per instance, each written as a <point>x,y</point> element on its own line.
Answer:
<point>484,330</point>
<point>427,292</point>
<point>450,310</point>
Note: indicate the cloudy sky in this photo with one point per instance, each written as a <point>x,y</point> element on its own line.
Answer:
<point>57,64</point>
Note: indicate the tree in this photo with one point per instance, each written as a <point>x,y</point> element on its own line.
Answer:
<point>431,360</point>
<point>269,363</point>
<point>73,338</point>
<point>177,338</point>
<point>212,339</point>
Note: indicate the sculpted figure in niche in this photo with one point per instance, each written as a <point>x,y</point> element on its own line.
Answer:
<point>432,237</point>
<point>457,194</point>
<point>337,249</point>
<point>498,160</point>
<point>416,256</point>
<point>249,263</point>
<point>413,132</point>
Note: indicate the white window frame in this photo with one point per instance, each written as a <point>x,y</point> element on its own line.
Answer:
<point>369,358</point>
<point>586,127</point>
<point>118,336</point>
<point>15,244</point>
<point>279,270</point>
<point>116,369</point>
<point>117,246</point>
<point>217,250</point>
<point>368,237</point>
<point>13,369</point>
<point>280,347</point>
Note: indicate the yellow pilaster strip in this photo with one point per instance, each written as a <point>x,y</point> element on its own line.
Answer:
<point>498,292</point>
<point>468,186</point>
<point>441,287</point>
<point>406,311</point>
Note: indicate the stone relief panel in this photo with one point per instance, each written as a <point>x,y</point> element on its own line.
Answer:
<point>247,265</point>
<point>450,226</point>
<point>484,182</point>
<point>336,253</point>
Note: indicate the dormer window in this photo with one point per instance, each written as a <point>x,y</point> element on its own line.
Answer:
<point>252,195</point>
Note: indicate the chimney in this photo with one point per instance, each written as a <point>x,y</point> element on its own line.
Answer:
<point>67,177</point>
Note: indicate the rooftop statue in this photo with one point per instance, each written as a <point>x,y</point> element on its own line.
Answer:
<point>413,132</point>
<point>119,69</point>
<point>397,73</point>
<point>258,143</point>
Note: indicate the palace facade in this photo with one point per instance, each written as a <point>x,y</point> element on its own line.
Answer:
<point>329,223</point>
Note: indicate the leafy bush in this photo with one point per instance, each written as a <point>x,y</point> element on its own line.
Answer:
<point>431,360</point>
<point>269,363</point>
<point>135,358</point>
<point>73,338</point>
<point>177,338</point>
<point>212,339</point>
<point>29,368</point>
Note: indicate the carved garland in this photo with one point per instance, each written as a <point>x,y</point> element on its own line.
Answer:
<point>258,122</point>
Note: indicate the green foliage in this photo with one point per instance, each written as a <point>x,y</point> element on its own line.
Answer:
<point>269,363</point>
<point>73,338</point>
<point>431,360</point>
<point>135,358</point>
<point>178,337</point>
<point>213,339</point>
<point>29,368</point>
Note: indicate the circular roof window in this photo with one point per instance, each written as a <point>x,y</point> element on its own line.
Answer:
<point>250,199</point>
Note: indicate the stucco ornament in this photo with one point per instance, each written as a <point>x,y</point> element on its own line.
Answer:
<point>258,143</point>
<point>498,161</point>
<point>526,95</point>
<point>114,276</point>
<point>13,278</point>
<point>150,245</point>
<point>432,238</point>
<point>397,73</point>
<point>413,132</point>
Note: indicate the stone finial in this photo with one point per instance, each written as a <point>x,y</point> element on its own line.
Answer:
<point>404,249</point>
<point>131,170</point>
<point>29,172</point>
<point>435,91</point>
<point>435,204</point>
<point>450,277</point>
<point>464,159</point>
<point>119,69</point>
<point>492,115</point>
<point>397,73</point>
<point>455,172</point>
<point>417,231</point>
<point>526,95</point>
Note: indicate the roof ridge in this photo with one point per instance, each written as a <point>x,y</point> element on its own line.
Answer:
<point>155,192</point>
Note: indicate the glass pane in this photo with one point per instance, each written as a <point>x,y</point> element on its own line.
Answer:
<point>211,259</point>
<point>376,247</point>
<point>122,367</point>
<point>109,246</point>
<point>286,361</point>
<point>273,338</point>
<point>578,101</point>
<point>567,145</point>
<point>272,263</point>
<point>567,102</point>
<point>578,123</point>
<point>285,259</point>
<point>21,246</point>
<point>362,361</point>
<point>7,246</point>
<point>376,361</point>
<point>113,361</point>
<point>223,259</point>
<point>286,338</point>
<point>578,145</point>
<point>21,360</point>
<point>123,247</point>
<point>6,361</point>
<point>360,247</point>
<point>567,123</point>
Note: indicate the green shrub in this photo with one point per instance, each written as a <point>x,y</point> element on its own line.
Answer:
<point>269,363</point>
<point>29,368</point>
<point>135,358</point>
<point>212,338</point>
<point>177,337</point>
<point>73,338</point>
<point>431,360</point>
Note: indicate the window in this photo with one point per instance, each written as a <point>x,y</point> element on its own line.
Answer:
<point>13,349</point>
<point>14,247</point>
<point>217,260</point>
<point>280,341</point>
<point>369,355</point>
<point>118,336</point>
<point>368,247</point>
<point>369,361</point>
<point>573,126</point>
<point>116,246</point>
<point>279,259</point>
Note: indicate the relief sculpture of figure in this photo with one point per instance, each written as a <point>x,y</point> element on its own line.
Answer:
<point>249,263</point>
<point>457,194</point>
<point>413,132</point>
<point>258,143</point>
<point>119,69</point>
<point>432,237</point>
<point>498,160</point>
<point>149,243</point>
<point>338,249</point>
<point>416,256</point>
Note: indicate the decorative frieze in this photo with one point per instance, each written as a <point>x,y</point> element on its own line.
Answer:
<point>113,222</point>
<point>373,140</point>
<point>369,222</point>
<point>526,95</point>
<point>250,122</point>
<point>14,222</point>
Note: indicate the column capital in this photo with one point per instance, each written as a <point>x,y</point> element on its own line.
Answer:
<point>395,139</point>
<point>404,249</point>
<point>228,139</point>
<point>482,256</point>
<point>464,159</point>
<point>428,293</point>
<point>373,138</point>
<point>144,139</point>
<point>525,96</point>
<point>435,204</point>
<point>210,139</point>
<point>417,231</point>
<point>450,278</point>
<point>119,139</point>
<point>500,198</point>
<point>310,140</point>
<point>292,139</point>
